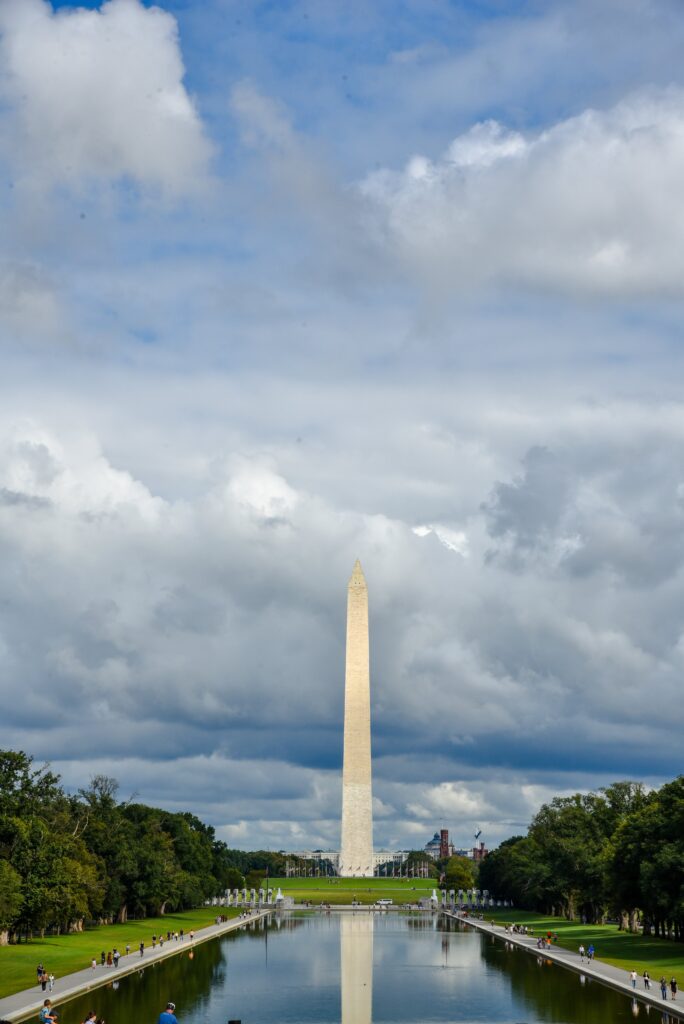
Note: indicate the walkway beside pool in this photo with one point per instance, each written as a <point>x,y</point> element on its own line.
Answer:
<point>606,974</point>
<point>28,1002</point>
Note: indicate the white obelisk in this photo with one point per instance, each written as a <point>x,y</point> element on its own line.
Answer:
<point>356,855</point>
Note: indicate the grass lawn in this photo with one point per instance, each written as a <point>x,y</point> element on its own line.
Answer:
<point>67,953</point>
<point>638,952</point>
<point>338,891</point>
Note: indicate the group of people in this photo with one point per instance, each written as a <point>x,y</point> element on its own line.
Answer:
<point>110,959</point>
<point>516,929</point>
<point>48,1015</point>
<point>588,953</point>
<point>170,936</point>
<point>45,980</point>
<point>664,985</point>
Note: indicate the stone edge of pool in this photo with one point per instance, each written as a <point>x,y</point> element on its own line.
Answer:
<point>13,1009</point>
<point>606,974</point>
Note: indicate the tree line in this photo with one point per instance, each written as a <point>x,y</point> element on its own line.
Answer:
<point>66,860</point>
<point>614,854</point>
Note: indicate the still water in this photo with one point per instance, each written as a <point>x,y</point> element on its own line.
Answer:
<point>356,968</point>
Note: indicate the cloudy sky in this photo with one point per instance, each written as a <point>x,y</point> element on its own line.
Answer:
<point>287,283</point>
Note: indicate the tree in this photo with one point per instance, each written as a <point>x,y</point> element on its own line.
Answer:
<point>460,873</point>
<point>255,879</point>
<point>495,871</point>
<point>23,788</point>
<point>11,899</point>
<point>233,879</point>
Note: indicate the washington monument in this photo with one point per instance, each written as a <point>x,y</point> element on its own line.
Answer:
<point>356,855</point>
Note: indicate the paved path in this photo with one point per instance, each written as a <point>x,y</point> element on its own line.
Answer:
<point>28,1002</point>
<point>614,977</point>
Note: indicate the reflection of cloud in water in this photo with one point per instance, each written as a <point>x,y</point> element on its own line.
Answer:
<point>321,971</point>
<point>356,968</point>
<point>417,945</point>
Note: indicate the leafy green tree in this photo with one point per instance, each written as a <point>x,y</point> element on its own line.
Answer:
<point>233,879</point>
<point>460,873</point>
<point>255,879</point>
<point>25,790</point>
<point>648,860</point>
<point>11,898</point>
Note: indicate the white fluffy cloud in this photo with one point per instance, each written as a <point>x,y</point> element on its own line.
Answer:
<point>591,204</point>
<point>98,95</point>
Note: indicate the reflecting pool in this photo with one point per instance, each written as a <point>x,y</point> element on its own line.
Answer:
<point>356,968</point>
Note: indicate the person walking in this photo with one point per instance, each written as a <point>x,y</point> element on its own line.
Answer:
<point>647,980</point>
<point>581,953</point>
<point>39,971</point>
<point>633,978</point>
<point>43,980</point>
<point>673,988</point>
<point>51,982</point>
<point>93,963</point>
<point>663,988</point>
<point>109,958</point>
<point>590,952</point>
<point>115,957</point>
<point>103,958</point>
<point>142,948</point>
<point>128,948</point>
<point>168,1016</point>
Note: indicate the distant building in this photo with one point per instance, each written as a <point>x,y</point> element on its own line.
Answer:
<point>432,847</point>
<point>440,841</point>
<point>439,846</point>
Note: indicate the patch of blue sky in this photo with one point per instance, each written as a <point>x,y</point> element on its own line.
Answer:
<point>94,5</point>
<point>145,335</point>
<point>318,58</point>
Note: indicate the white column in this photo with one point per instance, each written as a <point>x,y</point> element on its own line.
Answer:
<point>356,857</point>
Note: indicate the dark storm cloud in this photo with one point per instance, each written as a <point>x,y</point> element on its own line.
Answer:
<point>532,505</point>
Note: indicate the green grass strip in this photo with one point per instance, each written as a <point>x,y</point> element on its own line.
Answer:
<point>622,949</point>
<point>65,954</point>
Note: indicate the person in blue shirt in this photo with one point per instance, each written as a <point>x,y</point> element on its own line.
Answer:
<point>47,1015</point>
<point>169,1015</point>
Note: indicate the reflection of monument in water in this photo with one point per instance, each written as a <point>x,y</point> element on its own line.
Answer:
<point>356,853</point>
<point>356,968</point>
